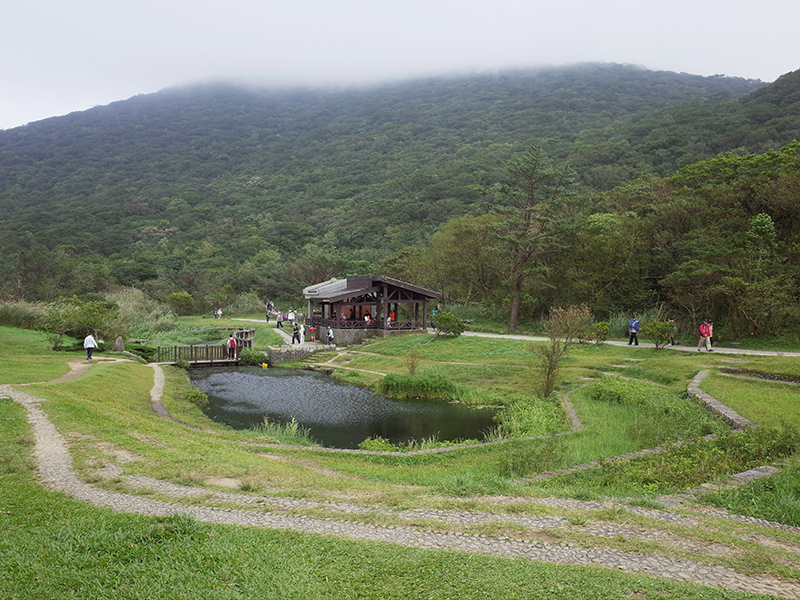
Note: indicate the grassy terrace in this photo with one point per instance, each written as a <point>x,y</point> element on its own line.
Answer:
<point>56,547</point>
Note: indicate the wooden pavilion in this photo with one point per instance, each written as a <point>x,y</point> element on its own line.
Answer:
<point>369,302</point>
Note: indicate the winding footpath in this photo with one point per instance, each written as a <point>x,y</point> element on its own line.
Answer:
<point>443,529</point>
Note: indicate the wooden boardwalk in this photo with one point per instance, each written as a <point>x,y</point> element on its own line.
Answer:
<point>197,355</point>
<point>206,354</point>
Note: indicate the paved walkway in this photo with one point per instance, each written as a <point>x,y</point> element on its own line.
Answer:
<point>448,529</point>
<point>681,348</point>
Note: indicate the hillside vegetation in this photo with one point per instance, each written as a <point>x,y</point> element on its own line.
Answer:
<point>219,190</point>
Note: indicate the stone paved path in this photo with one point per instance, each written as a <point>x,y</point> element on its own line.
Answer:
<point>55,467</point>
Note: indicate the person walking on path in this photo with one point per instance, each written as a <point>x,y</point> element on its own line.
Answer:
<point>672,332</point>
<point>633,329</point>
<point>231,345</point>
<point>329,336</point>
<point>302,334</point>
<point>279,320</point>
<point>90,344</point>
<point>296,334</point>
<point>705,336</point>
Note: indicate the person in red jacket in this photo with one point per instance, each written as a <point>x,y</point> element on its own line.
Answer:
<point>705,336</point>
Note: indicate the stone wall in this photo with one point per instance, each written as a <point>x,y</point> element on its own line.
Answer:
<point>281,354</point>
<point>727,414</point>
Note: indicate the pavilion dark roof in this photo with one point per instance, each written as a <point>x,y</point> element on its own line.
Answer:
<point>335,290</point>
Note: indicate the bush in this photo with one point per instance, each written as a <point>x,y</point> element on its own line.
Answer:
<point>181,302</point>
<point>196,397</point>
<point>658,332</point>
<point>146,352</point>
<point>251,358</point>
<point>447,323</point>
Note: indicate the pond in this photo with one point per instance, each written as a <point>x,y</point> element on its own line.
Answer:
<point>338,415</point>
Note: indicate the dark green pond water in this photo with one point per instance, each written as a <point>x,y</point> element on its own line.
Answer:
<point>338,415</point>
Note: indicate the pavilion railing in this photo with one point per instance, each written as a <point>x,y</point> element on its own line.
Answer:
<point>407,325</point>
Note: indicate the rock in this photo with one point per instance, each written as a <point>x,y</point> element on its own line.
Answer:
<point>119,345</point>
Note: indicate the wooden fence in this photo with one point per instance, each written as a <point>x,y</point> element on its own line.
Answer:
<point>196,354</point>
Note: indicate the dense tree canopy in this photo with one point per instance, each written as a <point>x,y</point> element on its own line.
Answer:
<point>685,192</point>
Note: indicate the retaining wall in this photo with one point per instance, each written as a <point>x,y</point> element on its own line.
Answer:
<point>729,415</point>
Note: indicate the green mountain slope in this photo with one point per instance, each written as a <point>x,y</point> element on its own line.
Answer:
<point>420,143</point>
<point>225,186</point>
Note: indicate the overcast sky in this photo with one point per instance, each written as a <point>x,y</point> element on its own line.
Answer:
<point>59,56</point>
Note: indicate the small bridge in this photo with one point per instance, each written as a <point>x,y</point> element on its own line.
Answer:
<point>207,355</point>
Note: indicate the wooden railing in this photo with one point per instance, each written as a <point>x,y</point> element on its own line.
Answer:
<point>193,354</point>
<point>207,353</point>
<point>361,324</point>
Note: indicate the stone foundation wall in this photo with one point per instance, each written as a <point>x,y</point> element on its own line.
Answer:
<point>281,354</point>
<point>353,337</point>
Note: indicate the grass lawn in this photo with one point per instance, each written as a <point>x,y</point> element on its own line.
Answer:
<point>763,402</point>
<point>25,357</point>
<point>55,547</point>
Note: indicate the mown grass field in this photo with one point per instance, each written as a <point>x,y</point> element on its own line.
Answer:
<point>56,547</point>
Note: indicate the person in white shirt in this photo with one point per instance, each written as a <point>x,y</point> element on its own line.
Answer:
<point>90,344</point>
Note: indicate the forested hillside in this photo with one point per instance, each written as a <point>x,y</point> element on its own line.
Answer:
<point>217,190</point>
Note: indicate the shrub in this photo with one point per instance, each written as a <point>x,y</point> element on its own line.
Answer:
<point>596,333</point>
<point>181,302</point>
<point>562,327</point>
<point>599,332</point>
<point>251,358</point>
<point>146,352</point>
<point>448,323</point>
<point>658,332</point>
<point>412,360</point>
<point>196,397</point>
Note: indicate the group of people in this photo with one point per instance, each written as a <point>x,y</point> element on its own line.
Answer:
<point>706,331</point>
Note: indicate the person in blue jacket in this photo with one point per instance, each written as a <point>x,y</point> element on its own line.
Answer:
<point>633,329</point>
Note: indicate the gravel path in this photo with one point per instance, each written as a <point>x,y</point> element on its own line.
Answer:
<point>435,529</point>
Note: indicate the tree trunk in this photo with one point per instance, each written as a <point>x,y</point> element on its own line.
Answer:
<point>515,302</point>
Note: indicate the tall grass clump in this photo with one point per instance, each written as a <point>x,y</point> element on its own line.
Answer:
<point>659,415</point>
<point>776,498</point>
<point>428,385</point>
<point>619,322</point>
<point>291,433</point>
<point>139,316</point>
<point>529,416</point>
<point>25,315</point>
<point>684,466</point>
<point>525,458</point>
